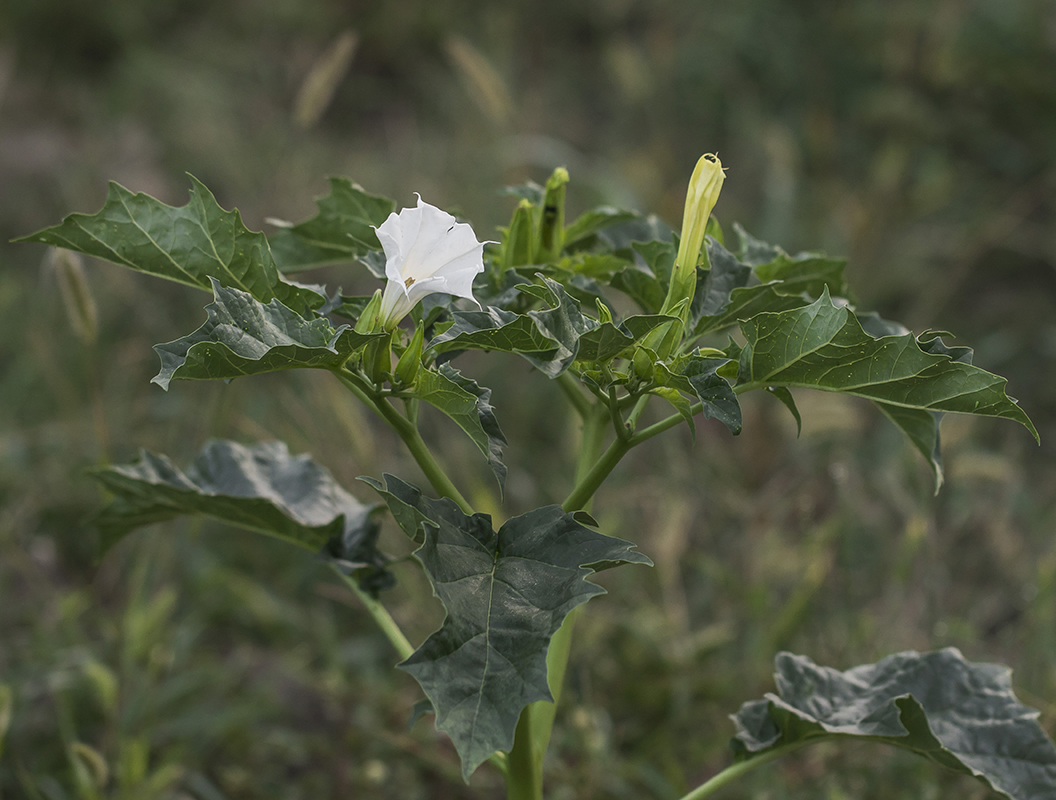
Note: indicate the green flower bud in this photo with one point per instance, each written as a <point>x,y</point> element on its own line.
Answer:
<point>370,320</point>
<point>703,193</point>
<point>552,227</point>
<point>377,359</point>
<point>410,363</point>
<point>519,243</point>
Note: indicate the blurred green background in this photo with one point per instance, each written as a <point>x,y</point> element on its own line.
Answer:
<point>915,137</point>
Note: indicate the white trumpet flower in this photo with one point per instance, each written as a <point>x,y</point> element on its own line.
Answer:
<point>426,251</point>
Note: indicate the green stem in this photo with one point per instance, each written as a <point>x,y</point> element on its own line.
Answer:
<point>575,395</point>
<point>636,412</point>
<point>525,778</point>
<point>407,431</point>
<point>734,771</point>
<point>590,482</point>
<point>663,425</point>
<point>381,616</point>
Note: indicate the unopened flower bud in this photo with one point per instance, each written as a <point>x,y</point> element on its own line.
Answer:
<point>704,187</point>
<point>370,319</point>
<point>552,225</point>
<point>410,362</point>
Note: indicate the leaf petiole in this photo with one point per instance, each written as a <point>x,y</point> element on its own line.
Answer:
<point>407,431</point>
<point>734,771</point>
<point>381,616</point>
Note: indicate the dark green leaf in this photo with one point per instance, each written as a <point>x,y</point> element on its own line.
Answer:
<point>193,244</point>
<point>714,285</point>
<point>807,273</point>
<point>938,705</point>
<point>609,339</point>
<point>824,347</point>
<point>746,303</point>
<point>343,230</point>
<point>696,375</point>
<point>261,488</point>
<point>548,337</point>
<point>590,222</point>
<point>506,594</point>
<point>680,404</point>
<point>646,281</point>
<point>245,337</point>
<point>638,229</point>
<point>469,405</point>
<point>922,428</point>
<point>755,251</point>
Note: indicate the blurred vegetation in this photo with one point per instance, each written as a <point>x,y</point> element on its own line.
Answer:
<point>916,138</point>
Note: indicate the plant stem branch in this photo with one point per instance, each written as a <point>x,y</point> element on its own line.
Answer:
<point>734,771</point>
<point>590,482</point>
<point>636,412</point>
<point>617,417</point>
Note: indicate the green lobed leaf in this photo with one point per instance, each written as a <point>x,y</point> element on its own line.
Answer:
<point>549,338</point>
<point>261,488</point>
<point>193,244</point>
<point>469,405</point>
<point>822,346</point>
<point>938,705</point>
<point>506,594</point>
<point>242,336</point>
<point>343,230</point>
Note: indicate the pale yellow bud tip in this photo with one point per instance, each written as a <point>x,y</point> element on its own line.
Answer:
<point>703,193</point>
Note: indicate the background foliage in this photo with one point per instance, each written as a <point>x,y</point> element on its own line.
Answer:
<point>916,138</point>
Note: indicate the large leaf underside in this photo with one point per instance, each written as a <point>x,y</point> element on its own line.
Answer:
<point>962,715</point>
<point>261,488</point>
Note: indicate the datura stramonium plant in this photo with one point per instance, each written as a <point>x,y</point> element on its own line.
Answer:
<point>426,251</point>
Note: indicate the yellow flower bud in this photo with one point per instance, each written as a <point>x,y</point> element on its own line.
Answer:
<point>703,193</point>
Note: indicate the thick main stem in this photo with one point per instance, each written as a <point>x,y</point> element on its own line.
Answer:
<point>525,778</point>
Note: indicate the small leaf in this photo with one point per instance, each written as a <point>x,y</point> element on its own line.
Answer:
<point>938,705</point>
<point>697,375</point>
<point>789,402</point>
<point>343,230</point>
<point>193,244</point>
<point>824,347</point>
<point>680,404</point>
<point>245,337</point>
<point>469,405</point>
<point>261,488</point>
<point>506,594</point>
<point>922,428</point>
